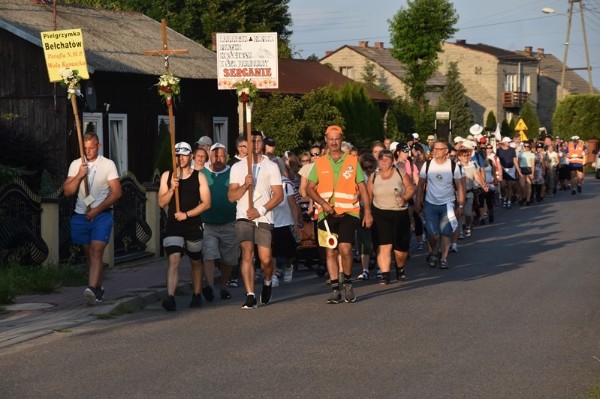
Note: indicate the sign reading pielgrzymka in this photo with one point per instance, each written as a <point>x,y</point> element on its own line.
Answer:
<point>247,56</point>
<point>64,49</point>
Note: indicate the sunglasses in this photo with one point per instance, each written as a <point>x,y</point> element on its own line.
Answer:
<point>489,148</point>
<point>314,154</point>
<point>526,146</point>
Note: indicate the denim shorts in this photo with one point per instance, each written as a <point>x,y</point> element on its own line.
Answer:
<point>84,231</point>
<point>436,220</point>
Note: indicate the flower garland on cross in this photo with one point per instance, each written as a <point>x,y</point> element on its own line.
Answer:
<point>71,80</point>
<point>247,93</point>
<point>168,87</point>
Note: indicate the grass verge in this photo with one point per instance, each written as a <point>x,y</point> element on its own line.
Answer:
<point>121,309</point>
<point>22,280</point>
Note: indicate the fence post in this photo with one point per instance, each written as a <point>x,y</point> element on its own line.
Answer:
<point>153,220</point>
<point>49,222</point>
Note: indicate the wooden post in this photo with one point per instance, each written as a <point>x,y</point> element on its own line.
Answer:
<point>80,141</point>
<point>166,53</point>
<point>248,112</point>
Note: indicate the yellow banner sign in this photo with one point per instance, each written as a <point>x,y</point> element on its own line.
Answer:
<point>521,125</point>
<point>64,49</point>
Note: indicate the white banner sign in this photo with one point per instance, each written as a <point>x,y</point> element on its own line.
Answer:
<point>251,56</point>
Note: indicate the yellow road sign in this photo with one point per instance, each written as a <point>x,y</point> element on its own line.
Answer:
<point>521,126</point>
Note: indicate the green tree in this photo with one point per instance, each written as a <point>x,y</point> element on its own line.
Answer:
<point>455,100</point>
<point>198,19</point>
<point>368,76</point>
<point>505,129</point>
<point>416,35</point>
<point>577,115</point>
<point>319,112</point>
<point>280,117</point>
<point>531,119</point>
<point>490,121</point>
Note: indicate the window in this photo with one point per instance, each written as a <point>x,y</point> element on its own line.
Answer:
<point>515,82</point>
<point>347,71</point>
<point>92,122</point>
<point>117,130</point>
<point>220,128</point>
<point>164,120</point>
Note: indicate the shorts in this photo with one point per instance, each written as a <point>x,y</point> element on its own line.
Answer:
<point>178,244</point>
<point>343,225</point>
<point>220,242</point>
<point>260,234</point>
<point>83,231</point>
<point>392,227</point>
<point>284,245</point>
<point>576,167</point>
<point>364,241</point>
<point>436,220</point>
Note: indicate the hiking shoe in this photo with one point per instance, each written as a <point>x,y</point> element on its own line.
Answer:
<point>233,283</point>
<point>454,247</point>
<point>432,260</point>
<point>265,295</point>
<point>335,297</point>
<point>400,274</point>
<point>208,293</point>
<point>364,275</point>
<point>90,296</point>
<point>250,302</point>
<point>443,264</point>
<point>288,274</point>
<point>420,246</point>
<point>225,294</point>
<point>169,304</point>
<point>349,293</point>
<point>196,301</point>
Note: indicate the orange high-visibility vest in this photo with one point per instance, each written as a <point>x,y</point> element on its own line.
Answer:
<point>345,191</point>
<point>577,151</point>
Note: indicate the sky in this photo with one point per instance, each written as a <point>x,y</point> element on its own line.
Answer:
<point>321,25</point>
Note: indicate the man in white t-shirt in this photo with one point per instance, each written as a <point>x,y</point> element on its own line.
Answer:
<point>440,183</point>
<point>254,224</point>
<point>92,222</point>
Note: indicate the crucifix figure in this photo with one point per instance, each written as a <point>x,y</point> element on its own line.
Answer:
<point>168,92</point>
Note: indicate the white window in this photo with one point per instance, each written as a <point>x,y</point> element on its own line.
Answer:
<point>220,128</point>
<point>515,82</point>
<point>347,71</point>
<point>92,122</point>
<point>117,130</point>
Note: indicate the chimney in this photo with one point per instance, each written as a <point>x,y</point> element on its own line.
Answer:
<point>461,41</point>
<point>379,45</point>
<point>540,51</point>
<point>328,53</point>
<point>363,43</point>
<point>528,49</point>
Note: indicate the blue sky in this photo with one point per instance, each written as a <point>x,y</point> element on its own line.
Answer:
<point>321,25</point>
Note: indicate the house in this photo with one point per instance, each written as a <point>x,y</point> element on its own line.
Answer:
<point>495,79</point>
<point>350,61</point>
<point>120,99</point>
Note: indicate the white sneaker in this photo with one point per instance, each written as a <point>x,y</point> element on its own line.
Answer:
<point>274,281</point>
<point>364,275</point>
<point>288,274</point>
<point>454,247</point>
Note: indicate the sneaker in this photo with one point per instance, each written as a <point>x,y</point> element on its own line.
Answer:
<point>504,204</point>
<point>275,280</point>
<point>432,260</point>
<point>461,235</point>
<point>509,205</point>
<point>400,274</point>
<point>385,280</point>
<point>90,296</point>
<point>169,304</point>
<point>468,233</point>
<point>233,283</point>
<point>454,247</point>
<point>196,301</point>
<point>364,275</point>
<point>99,294</point>
<point>349,293</point>
<point>225,294</point>
<point>288,274</point>
<point>420,246</point>
<point>443,264</point>
<point>265,295</point>
<point>208,293</point>
<point>335,297</point>
<point>379,275</point>
<point>250,302</point>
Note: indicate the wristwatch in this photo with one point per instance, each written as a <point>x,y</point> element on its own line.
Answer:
<point>461,206</point>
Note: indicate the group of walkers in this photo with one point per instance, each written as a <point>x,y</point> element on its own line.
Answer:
<point>246,215</point>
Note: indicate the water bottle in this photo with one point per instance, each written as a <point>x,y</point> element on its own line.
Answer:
<point>398,196</point>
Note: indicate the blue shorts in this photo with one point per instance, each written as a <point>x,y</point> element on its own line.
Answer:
<point>436,220</point>
<point>84,231</point>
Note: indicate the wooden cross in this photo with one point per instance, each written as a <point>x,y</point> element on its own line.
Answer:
<point>166,53</point>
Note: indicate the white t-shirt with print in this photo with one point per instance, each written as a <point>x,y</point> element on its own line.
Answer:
<point>440,186</point>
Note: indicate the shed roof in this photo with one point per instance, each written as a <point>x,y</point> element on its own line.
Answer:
<point>298,77</point>
<point>114,41</point>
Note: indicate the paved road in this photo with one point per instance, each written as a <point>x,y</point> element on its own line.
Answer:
<point>517,315</point>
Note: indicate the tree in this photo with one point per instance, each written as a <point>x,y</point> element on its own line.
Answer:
<point>198,19</point>
<point>531,119</point>
<point>416,35</point>
<point>577,115</point>
<point>505,129</point>
<point>368,76</point>
<point>319,112</point>
<point>280,117</point>
<point>490,121</point>
<point>455,100</point>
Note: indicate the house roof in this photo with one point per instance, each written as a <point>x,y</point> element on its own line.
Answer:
<point>499,53</point>
<point>298,77</point>
<point>551,67</point>
<point>114,41</point>
<point>383,57</point>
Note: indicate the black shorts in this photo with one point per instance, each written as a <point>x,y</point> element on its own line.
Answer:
<point>284,244</point>
<point>343,225</point>
<point>391,227</point>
